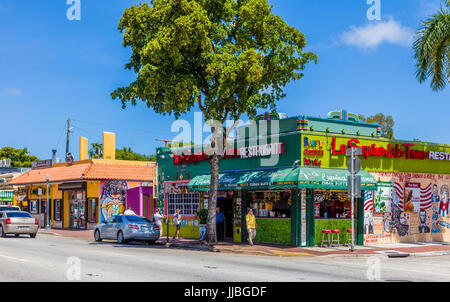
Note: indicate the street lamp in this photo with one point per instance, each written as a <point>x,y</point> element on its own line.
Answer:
<point>48,226</point>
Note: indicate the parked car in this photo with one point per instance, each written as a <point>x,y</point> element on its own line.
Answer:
<point>124,228</point>
<point>18,222</point>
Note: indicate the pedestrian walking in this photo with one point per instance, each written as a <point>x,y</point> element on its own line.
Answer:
<point>158,220</point>
<point>177,223</point>
<point>129,211</point>
<point>219,224</point>
<point>251,226</point>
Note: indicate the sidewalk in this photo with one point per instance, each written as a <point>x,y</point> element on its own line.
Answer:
<point>391,250</point>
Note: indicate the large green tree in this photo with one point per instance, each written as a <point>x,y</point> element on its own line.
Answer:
<point>18,157</point>
<point>96,151</point>
<point>225,57</point>
<point>386,123</point>
<point>432,49</point>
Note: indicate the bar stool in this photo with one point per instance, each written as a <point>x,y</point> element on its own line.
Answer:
<point>328,241</point>
<point>335,239</point>
<point>348,241</point>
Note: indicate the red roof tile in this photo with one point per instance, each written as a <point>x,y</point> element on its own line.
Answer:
<point>86,171</point>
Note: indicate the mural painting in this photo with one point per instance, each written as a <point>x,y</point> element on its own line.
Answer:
<point>113,197</point>
<point>409,206</point>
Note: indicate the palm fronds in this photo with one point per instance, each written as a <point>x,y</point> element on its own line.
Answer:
<point>432,49</point>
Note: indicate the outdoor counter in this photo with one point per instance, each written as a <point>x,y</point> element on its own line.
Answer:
<point>273,230</point>
<point>342,224</point>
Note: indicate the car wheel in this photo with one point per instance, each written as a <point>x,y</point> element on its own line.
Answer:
<point>120,238</point>
<point>33,235</point>
<point>151,242</point>
<point>2,234</point>
<point>97,236</point>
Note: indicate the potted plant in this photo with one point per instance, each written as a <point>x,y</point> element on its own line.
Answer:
<point>202,217</point>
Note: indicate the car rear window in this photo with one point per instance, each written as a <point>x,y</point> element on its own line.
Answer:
<point>135,219</point>
<point>18,214</point>
<point>9,208</point>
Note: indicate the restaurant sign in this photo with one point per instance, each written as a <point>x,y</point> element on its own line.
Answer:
<point>391,151</point>
<point>244,152</point>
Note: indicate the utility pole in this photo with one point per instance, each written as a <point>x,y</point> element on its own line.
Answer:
<point>68,136</point>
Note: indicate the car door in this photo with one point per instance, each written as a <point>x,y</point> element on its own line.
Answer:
<point>106,229</point>
<point>117,225</point>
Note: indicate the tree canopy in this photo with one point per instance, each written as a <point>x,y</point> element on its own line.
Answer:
<point>227,56</point>
<point>432,49</point>
<point>125,153</point>
<point>19,157</point>
<point>386,123</point>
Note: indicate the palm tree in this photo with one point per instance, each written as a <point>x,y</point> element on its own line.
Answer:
<point>432,48</point>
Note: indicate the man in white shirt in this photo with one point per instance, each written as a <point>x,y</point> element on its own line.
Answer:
<point>158,220</point>
<point>129,211</point>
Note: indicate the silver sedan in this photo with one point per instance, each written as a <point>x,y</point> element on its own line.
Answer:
<point>18,222</point>
<point>124,228</point>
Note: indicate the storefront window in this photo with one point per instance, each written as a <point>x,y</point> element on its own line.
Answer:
<point>332,204</point>
<point>271,204</point>
<point>188,203</point>
<point>57,209</point>
<point>34,206</point>
<point>92,209</point>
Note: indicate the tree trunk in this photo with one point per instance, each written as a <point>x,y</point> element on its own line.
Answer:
<point>212,203</point>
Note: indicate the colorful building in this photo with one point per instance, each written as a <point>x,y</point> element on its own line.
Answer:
<point>85,192</point>
<point>295,179</point>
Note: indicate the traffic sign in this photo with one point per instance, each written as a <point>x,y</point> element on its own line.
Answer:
<point>354,188</point>
<point>357,151</point>
<point>356,164</point>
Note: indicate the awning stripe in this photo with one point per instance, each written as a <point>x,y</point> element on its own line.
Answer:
<point>282,178</point>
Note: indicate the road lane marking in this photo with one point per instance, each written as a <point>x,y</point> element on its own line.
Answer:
<point>13,258</point>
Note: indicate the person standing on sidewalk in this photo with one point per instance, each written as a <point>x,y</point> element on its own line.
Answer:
<point>219,223</point>
<point>251,226</point>
<point>158,220</point>
<point>177,223</point>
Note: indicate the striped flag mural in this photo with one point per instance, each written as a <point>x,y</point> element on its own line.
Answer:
<point>425,198</point>
<point>368,201</point>
<point>398,194</point>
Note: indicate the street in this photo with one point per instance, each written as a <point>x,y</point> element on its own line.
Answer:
<point>55,258</point>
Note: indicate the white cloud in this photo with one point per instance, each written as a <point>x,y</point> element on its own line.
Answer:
<point>377,33</point>
<point>12,92</point>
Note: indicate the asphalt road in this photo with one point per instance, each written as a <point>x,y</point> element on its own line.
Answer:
<point>53,258</point>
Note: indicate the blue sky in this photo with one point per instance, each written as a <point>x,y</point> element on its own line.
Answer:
<point>52,68</point>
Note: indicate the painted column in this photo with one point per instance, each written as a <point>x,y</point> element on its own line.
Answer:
<point>310,219</point>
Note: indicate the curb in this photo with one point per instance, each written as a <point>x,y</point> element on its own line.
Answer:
<point>49,233</point>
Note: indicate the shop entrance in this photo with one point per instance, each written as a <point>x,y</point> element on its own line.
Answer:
<point>226,207</point>
<point>77,210</point>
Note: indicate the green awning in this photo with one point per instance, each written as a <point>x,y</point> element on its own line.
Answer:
<point>249,180</point>
<point>283,178</point>
<point>322,178</point>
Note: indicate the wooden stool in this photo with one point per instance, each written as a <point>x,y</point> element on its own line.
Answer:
<point>328,241</point>
<point>333,239</point>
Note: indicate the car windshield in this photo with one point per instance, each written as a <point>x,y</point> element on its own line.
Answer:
<point>18,214</point>
<point>136,219</point>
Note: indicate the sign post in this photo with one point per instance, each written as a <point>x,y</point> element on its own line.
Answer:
<point>354,184</point>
